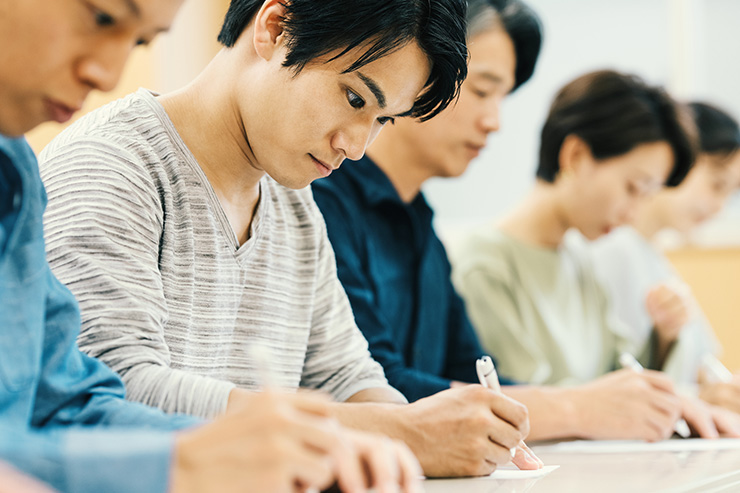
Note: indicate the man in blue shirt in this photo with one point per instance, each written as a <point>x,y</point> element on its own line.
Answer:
<point>63,417</point>
<point>390,261</point>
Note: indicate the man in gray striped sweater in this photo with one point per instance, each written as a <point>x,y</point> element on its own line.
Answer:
<point>183,224</point>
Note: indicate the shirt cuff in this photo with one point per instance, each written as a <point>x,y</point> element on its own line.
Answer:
<point>117,460</point>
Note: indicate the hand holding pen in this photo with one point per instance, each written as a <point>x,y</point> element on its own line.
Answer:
<point>628,361</point>
<point>488,378</point>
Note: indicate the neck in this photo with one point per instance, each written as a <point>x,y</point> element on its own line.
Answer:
<point>212,128</point>
<point>401,163</point>
<point>540,219</point>
<point>213,131</point>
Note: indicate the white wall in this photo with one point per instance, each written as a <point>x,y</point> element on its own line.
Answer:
<point>691,46</point>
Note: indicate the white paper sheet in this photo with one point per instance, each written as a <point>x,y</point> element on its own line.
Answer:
<point>633,446</point>
<point>512,472</point>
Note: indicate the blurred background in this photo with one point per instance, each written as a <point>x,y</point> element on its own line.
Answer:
<point>690,46</point>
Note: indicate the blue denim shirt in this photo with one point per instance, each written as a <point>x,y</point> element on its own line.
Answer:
<point>397,276</point>
<point>63,417</point>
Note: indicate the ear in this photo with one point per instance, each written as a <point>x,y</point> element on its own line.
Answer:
<point>268,29</point>
<point>574,154</point>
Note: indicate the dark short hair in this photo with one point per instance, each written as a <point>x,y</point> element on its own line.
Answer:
<point>719,133</point>
<point>614,113</point>
<point>315,28</point>
<point>520,22</point>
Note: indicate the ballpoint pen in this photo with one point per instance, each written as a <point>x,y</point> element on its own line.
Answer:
<point>714,369</point>
<point>488,377</point>
<point>628,361</point>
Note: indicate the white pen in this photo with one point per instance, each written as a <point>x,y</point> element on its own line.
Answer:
<point>489,379</point>
<point>628,361</point>
<point>715,370</point>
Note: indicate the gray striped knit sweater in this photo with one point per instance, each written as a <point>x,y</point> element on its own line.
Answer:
<point>169,299</point>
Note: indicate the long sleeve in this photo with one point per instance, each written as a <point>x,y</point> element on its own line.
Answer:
<point>62,414</point>
<point>77,390</point>
<point>338,359</point>
<point>104,226</point>
<point>355,279</point>
<point>83,460</point>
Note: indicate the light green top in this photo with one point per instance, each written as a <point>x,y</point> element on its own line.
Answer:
<point>539,311</point>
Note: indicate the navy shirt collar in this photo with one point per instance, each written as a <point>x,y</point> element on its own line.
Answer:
<point>376,188</point>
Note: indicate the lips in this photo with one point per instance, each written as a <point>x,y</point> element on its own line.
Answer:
<point>59,112</point>
<point>323,168</point>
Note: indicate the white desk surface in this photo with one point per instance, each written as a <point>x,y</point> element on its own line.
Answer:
<point>651,471</point>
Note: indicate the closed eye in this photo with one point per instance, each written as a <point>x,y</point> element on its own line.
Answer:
<point>103,19</point>
<point>386,119</point>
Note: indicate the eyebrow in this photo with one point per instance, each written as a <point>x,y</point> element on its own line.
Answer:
<point>374,88</point>
<point>490,76</point>
<point>133,7</point>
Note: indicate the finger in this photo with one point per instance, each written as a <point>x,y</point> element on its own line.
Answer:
<point>380,461</point>
<point>727,422</point>
<point>659,426</point>
<point>700,422</point>
<point>498,454</point>
<point>410,470</point>
<point>531,453</point>
<point>658,380</point>
<point>310,469</point>
<point>503,433</point>
<point>510,411</point>
<point>664,403</point>
<point>350,467</point>
<point>524,461</point>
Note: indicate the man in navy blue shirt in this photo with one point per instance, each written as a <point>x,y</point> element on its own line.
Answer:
<point>396,272</point>
<point>390,261</point>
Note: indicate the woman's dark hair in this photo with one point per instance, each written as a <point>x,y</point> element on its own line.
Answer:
<point>519,21</point>
<point>719,133</point>
<point>614,113</point>
<point>315,28</point>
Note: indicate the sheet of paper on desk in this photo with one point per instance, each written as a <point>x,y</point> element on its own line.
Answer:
<point>632,446</point>
<point>510,471</point>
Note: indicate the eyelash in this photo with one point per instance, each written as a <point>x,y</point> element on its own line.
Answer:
<point>357,102</point>
<point>102,19</point>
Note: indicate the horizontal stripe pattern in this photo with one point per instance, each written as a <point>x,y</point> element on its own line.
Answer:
<point>168,298</point>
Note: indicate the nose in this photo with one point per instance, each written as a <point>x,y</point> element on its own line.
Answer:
<point>101,67</point>
<point>491,118</point>
<point>352,140</point>
<point>630,210</point>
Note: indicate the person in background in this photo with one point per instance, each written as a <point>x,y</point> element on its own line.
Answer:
<point>646,292</point>
<point>200,237</point>
<point>396,272</point>
<point>63,416</point>
<point>530,285</point>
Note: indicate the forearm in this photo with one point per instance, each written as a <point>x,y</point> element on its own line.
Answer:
<point>177,391</point>
<point>92,461</point>
<point>552,411</point>
<point>374,410</point>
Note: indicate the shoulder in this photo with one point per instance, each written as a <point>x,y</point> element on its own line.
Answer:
<point>123,146</point>
<point>485,250</point>
<point>128,131</point>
